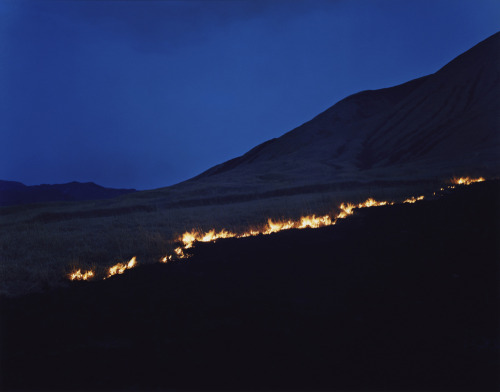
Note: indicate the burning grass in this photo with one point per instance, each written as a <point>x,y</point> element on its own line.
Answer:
<point>467,180</point>
<point>37,254</point>
<point>120,268</point>
<point>188,238</point>
<point>79,275</point>
<point>310,221</point>
<point>413,199</point>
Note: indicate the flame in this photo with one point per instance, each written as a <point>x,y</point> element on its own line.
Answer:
<point>310,221</point>
<point>467,180</point>
<point>414,199</point>
<point>190,237</point>
<point>120,268</point>
<point>179,251</point>
<point>78,275</point>
<point>346,209</point>
<point>166,259</point>
<point>249,233</point>
<point>274,227</point>
<point>373,203</point>
<point>314,221</point>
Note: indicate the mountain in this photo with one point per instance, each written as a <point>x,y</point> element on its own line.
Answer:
<point>429,129</point>
<point>12,192</point>
<point>433,127</point>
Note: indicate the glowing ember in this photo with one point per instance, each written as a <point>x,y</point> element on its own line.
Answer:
<point>166,259</point>
<point>467,180</point>
<point>179,251</point>
<point>78,275</point>
<point>120,268</point>
<point>414,199</point>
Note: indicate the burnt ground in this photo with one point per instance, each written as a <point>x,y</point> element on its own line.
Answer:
<point>400,297</point>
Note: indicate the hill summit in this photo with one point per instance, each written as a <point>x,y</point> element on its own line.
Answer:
<point>430,128</point>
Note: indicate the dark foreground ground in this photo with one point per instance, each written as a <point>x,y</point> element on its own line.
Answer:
<point>401,298</point>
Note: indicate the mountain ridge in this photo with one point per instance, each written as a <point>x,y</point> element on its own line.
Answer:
<point>433,127</point>
<point>430,128</point>
<point>13,192</point>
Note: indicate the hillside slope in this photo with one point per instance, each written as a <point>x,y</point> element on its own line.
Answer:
<point>388,144</point>
<point>402,297</point>
<point>434,127</point>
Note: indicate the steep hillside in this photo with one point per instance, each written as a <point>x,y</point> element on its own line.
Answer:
<point>444,124</point>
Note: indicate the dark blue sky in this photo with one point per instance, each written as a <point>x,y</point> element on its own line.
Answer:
<point>146,94</point>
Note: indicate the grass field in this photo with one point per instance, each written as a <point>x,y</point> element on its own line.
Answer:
<point>41,244</point>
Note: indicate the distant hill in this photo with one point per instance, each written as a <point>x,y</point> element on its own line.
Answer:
<point>431,128</point>
<point>12,192</point>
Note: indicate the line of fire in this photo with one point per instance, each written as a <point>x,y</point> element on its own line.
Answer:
<point>189,238</point>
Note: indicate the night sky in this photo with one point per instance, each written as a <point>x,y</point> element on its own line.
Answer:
<point>145,94</point>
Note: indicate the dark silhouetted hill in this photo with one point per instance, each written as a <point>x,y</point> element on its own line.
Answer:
<point>12,192</point>
<point>434,127</point>
<point>402,297</point>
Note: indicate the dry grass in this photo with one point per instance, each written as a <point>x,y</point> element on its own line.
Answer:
<point>41,244</point>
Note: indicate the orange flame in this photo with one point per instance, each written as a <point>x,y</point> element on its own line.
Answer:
<point>78,275</point>
<point>311,221</point>
<point>166,259</point>
<point>179,251</point>
<point>249,233</point>
<point>346,209</point>
<point>274,227</point>
<point>314,221</point>
<point>373,203</point>
<point>413,199</point>
<point>120,268</point>
<point>467,180</point>
<point>190,237</point>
